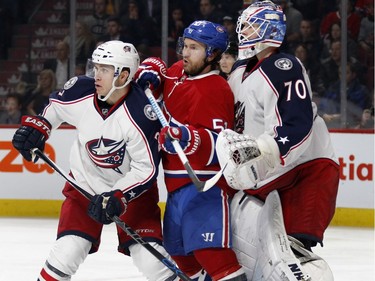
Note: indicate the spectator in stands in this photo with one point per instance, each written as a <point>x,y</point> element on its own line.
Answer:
<point>137,28</point>
<point>21,88</point>
<point>354,19</point>
<point>37,99</point>
<point>176,25</point>
<point>335,35</point>
<point>312,67</point>
<point>367,120</point>
<point>13,109</point>
<point>228,58</point>
<point>293,22</point>
<point>84,44</point>
<point>230,24</point>
<point>357,98</point>
<point>152,9</point>
<point>366,35</point>
<point>208,11</point>
<point>60,64</point>
<point>190,8</point>
<point>309,36</point>
<point>329,72</point>
<point>97,21</point>
<point>113,31</point>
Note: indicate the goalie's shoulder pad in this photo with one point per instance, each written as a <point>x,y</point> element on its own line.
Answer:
<point>75,88</point>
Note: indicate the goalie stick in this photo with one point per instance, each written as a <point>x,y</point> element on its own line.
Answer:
<point>200,185</point>
<point>134,235</point>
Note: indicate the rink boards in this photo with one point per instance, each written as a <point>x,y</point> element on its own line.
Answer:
<point>34,190</point>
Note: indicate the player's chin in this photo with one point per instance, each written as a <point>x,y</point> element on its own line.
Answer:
<point>187,67</point>
<point>99,89</point>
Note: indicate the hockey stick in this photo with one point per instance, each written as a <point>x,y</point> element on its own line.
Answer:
<point>200,185</point>
<point>134,235</point>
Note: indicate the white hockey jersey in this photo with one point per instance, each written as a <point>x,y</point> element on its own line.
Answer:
<point>273,96</point>
<point>116,148</point>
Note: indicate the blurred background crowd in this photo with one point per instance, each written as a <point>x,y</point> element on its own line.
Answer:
<point>35,46</point>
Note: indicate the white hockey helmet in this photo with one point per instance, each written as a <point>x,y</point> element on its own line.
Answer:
<point>267,24</point>
<point>120,55</point>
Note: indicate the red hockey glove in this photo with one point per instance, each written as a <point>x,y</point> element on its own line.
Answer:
<point>187,136</point>
<point>33,133</point>
<point>151,73</point>
<point>106,205</point>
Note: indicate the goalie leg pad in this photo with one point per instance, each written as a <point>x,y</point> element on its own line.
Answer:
<point>65,257</point>
<point>276,261</point>
<point>313,264</point>
<point>244,214</point>
<point>148,265</point>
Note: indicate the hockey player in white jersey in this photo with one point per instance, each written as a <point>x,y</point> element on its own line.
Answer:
<point>280,156</point>
<point>115,156</point>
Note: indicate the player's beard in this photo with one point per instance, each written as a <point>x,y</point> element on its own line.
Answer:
<point>195,70</point>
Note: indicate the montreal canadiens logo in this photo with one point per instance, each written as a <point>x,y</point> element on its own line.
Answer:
<point>284,64</point>
<point>149,112</point>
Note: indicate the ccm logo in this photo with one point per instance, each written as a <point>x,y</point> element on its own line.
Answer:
<point>9,165</point>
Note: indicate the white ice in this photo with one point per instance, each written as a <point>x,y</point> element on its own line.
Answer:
<point>25,244</point>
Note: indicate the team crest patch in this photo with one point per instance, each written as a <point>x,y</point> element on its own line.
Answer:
<point>149,112</point>
<point>284,64</point>
<point>70,83</point>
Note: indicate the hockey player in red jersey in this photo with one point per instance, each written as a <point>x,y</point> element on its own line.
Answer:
<point>280,151</point>
<point>115,157</point>
<point>198,104</point>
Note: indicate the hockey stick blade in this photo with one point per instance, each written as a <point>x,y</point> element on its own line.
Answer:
<point>120,223</point>
<point>200,185</point>
<point>203,186</point>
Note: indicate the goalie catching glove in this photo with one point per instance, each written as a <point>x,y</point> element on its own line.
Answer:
<point>187,136</point>
<point>106,205</point>
<point>248,160</point>
<point>33,133</point>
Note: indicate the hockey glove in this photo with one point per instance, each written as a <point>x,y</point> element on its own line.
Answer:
<point>151,73</point>
<point>106,205</point>
<point>248,160</point>
<point>33,133</point>
<point>187,136</point>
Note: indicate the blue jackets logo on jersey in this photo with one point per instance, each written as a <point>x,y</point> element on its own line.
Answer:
<point>70,83</point>
<point>284,64</point>
<point>149,112</point>
<point>106,153</point>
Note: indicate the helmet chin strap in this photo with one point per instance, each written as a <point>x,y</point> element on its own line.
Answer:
<point>106,97</point>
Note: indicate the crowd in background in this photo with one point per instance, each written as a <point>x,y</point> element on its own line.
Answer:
<point>313,36</point>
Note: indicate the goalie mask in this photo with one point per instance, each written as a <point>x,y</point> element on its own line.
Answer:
<point>213,35</point>
<point>118,54</point>
<point>261,25</point>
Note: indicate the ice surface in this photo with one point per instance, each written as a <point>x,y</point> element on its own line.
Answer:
<point>25,244</point>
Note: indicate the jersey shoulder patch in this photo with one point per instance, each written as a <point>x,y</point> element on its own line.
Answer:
<point>75,88</point>
<point>282,67</point>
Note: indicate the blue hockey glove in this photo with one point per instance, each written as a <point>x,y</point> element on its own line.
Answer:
<point>106,205</point>
<point>33,133</point>
<point>148,78</point>
<point>151,73</point>
<point>187,136</point>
